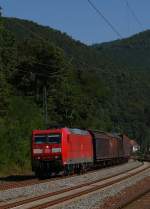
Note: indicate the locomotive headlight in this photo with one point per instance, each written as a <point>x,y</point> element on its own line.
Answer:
<point>37,151</point>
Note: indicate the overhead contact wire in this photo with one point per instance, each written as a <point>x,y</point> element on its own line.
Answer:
<point>133,14</point>
<point>99,12</point>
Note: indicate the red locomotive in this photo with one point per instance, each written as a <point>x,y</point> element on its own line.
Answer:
<point>75,150</point>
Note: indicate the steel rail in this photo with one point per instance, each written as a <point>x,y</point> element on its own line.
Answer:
<point>34,181</point>
<point>60,200</point>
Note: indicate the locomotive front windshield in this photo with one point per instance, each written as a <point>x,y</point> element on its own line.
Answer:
<point>49,139</point>
<point>54,138</point>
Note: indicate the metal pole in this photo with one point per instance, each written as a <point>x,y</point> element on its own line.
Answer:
<point>45,112</point>
<point>1,11</point>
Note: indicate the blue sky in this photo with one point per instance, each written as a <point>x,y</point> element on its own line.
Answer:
<point>79,20</point>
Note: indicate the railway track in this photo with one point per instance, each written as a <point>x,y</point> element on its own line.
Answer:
<point>59,197</point>
<point>6,186</point>
<point>13,185</point>
<point>140,202</point>
<point>33,181</point>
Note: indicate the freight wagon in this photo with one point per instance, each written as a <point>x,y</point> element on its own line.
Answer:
<point>75,150</point>
<point>108,148</point>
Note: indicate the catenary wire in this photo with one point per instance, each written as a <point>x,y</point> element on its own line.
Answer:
<point>99,12</point>
<point>133,14</point>
<point>124,66</point>
<point>117,33</point>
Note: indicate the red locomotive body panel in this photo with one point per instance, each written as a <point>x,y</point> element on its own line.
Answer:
<point>77,147</point>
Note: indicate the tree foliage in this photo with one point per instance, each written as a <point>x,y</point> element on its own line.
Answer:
<point>97,87</point>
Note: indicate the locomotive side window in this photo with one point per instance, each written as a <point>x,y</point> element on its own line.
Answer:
<point>39,139</point>
<point>54,139</point>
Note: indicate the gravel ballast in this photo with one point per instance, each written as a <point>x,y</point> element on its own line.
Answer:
<point>97,199</point>
<point>56,185</point>
<point>133,194</point>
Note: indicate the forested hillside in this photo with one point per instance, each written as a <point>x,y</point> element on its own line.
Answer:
<point>98,87</point>
<point>133,52</point>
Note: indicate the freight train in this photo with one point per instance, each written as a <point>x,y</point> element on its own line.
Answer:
<point>71,150</point>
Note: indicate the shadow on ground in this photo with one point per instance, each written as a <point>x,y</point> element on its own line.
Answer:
<point>17,177</point>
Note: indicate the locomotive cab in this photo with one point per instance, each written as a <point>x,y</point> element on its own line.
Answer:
<point>46,151</point>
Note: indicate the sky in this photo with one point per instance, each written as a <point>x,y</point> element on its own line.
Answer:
<point>79,20</point>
